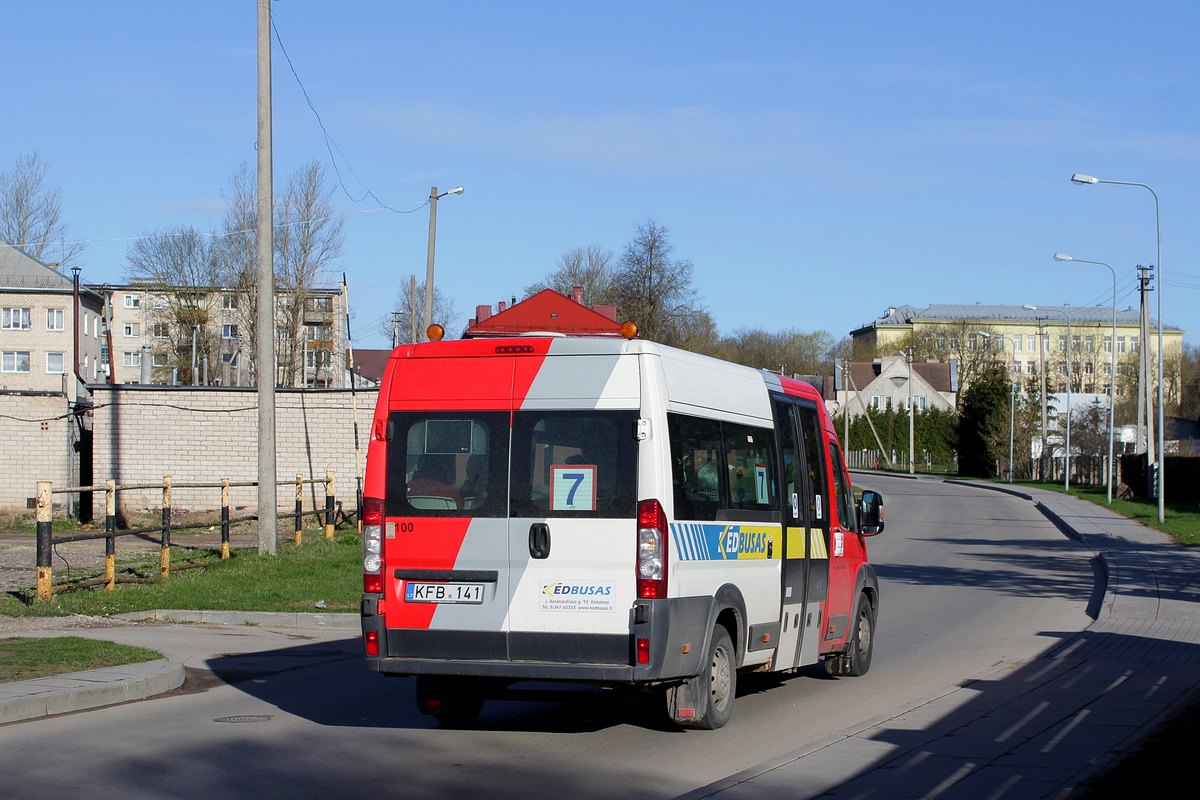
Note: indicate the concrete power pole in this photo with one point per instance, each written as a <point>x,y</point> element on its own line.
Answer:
<point>267,512</point>
<point>1042,369</point>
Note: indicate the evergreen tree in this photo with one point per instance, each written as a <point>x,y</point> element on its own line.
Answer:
<point>983,422</point>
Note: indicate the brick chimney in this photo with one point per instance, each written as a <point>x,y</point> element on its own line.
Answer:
<point>501,306</point>
<point>577,294</point>
<point>482,313</point>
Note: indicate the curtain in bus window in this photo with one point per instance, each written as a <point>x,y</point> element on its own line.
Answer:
<point>448,464</point>
<point>574,464</point>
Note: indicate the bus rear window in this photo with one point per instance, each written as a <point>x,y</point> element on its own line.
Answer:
<point>451,464</point>
<point>574,464</point>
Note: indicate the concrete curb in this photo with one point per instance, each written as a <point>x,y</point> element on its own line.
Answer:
<point>94,688</point>
<point>79,691</point>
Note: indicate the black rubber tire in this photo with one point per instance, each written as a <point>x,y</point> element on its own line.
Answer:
<point>453,703</point>
<point>856,661</point>
<point>718,681</point>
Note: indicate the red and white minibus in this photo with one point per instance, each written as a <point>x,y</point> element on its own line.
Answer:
<point>608,511</point>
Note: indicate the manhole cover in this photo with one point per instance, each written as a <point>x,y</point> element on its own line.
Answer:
<point>245,718</point>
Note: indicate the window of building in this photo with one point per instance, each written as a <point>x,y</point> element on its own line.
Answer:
<point>1120,345</point>
<point>1031,343</point>
<point>1032,368</point>
<point>318,333</point>
<point>133,358</point>
<point>159,360</point>
<point>1062,369</point>
<point>1108,344</point>
<point>1133,344</point>
<point>56,319</point>
<point>160,301</point>
<point>1016,368</point>
<point>1016,343</point>
<point>923,402</point>
<point>1088,369</point>
<point>1062,344</point>
<point>971,338</point>
<point>887,401</point>
<point>133,329</point>
<point>160,330</point>
<point>283,332</point>
<point>229,302</point>
<point>875,401</point>
<point>14,361</point>
<point>56,364</point>
<point>941,341</point>
<point>953,341</point>
<point>229,331</point>
<point>318,304</point>
<point>1107,369</point>
<point>15,319</point>
<point>1075,344</point>
<point>133,301</point>
<point>1090,344</point>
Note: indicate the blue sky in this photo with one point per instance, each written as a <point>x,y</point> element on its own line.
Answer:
<point>817,162</point>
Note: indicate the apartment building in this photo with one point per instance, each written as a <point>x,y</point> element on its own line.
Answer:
<point>39,320</point>
<point>206,337</point>
<point>1025,340</point>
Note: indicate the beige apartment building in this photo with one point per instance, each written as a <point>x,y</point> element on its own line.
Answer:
<point>157,335</point>
<point>975,335</point>
<point>38,323</point>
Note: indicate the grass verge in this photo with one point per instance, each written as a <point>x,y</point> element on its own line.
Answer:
<point>24,658</point>
<point>1180,522</point>
<point>294,580</point>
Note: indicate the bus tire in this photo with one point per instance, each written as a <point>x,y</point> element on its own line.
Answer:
<point>706,701</point>
<point>453,703</point>
<point>856,660</point>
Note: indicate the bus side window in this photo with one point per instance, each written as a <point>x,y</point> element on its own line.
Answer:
<point>845,496</point>
<point>696,467</point>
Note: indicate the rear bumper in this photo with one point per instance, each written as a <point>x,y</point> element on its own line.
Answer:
<point>675,631</point>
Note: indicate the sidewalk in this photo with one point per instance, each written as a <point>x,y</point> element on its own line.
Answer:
<point>78,691</point>
<point>1037,730</point>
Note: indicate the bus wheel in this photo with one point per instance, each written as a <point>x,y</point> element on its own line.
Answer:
<point>706,701</point>
<point>453,703</point>
<point>856,660</point>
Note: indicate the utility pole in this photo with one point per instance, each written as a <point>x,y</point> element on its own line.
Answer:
<point>267,511</point>
<point>412,308</point>
<point>395,329</point>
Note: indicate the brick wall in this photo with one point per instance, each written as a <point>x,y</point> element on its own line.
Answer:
<point>37,446</point>
<point>203,434</point>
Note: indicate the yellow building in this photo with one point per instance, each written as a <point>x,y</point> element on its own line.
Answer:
<point>953,332</point>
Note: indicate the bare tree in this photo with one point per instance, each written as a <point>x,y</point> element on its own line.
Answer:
<point>237,254</point>
<point>655,290</point>
<point>960,341</point>
<point>590,268</point>
<point>179,268</point>
<point>31,214</point>
<point>408,313</point>
<point>308,236</point>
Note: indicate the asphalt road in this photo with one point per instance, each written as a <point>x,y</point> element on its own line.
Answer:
<point>973,584</point>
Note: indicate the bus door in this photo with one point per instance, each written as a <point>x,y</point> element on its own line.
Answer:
<point>817,539</point>
<point>572,535</point>
<point>795,531</point>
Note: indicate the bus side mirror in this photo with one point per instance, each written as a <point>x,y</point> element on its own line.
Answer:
<point>870,512</point>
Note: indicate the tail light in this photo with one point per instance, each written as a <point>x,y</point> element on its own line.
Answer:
<point>652,550</point>
<point>372,539</point>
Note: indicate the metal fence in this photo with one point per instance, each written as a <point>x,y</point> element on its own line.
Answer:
<point>45,523</point>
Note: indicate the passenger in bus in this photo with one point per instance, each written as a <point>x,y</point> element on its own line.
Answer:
<point>434,478</point>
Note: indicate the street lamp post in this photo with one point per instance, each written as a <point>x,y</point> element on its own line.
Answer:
<point>1112,386</point>
<point>433,198</point>
<point>1082,180</point>
<point>1067,452</point>
<point>912,410</point>
<point>1012,404</point>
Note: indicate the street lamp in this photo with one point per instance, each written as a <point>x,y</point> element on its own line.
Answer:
<point>433,198</point>
<point>912,411</point>
<point>1012,403</point>
<point>1112,386</point>
<point>1067,453</point>
<point>1081,180</point>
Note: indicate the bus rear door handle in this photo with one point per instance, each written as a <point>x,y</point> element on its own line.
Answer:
<point>539,540</point>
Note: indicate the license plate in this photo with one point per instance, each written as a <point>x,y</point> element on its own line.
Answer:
<point>443,592</point>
